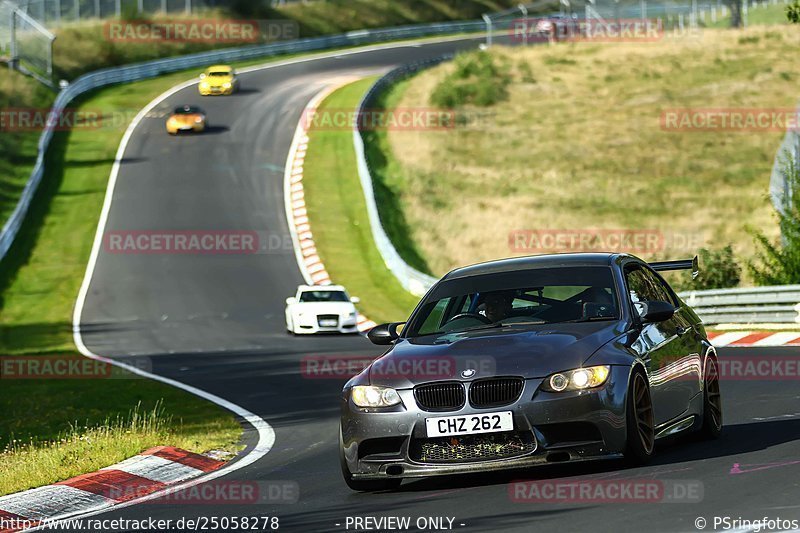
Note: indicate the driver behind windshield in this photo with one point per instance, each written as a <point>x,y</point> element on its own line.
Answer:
<point>498,305</point>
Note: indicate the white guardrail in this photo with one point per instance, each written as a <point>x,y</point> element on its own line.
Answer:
<point>150,69</point>
<point>761,305</point>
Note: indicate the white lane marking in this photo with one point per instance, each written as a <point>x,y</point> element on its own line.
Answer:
<point>45,502</point>
<point>729,338</point>
<point>266,435</point>
<point>156,468</point>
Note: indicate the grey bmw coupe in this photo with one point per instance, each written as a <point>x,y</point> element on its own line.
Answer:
<point>532,360</point>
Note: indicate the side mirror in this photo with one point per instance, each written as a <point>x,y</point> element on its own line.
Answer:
<point>291,301</point>
<point>355,300</point>
<point>655,311</point>
<point>384,334</point>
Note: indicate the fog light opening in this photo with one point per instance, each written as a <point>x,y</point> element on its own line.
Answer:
<point>394,470</point>
<point>557,457</point>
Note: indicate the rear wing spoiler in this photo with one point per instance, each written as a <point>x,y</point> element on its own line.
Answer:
<point>683,264</point>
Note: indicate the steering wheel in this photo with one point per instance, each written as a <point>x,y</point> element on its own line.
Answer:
<point>476,316</point>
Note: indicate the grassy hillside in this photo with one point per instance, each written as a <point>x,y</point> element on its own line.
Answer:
<point>83,47</point>
<point>578,144</point>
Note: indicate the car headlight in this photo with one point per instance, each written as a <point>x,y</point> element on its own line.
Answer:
<point>371,396</point>
<point>578,379</point>
<point>226,85</point>
<point>352,314</point>
<point>204,85</point>
<point>198,120</point>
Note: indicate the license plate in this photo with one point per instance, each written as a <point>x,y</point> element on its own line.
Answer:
<point>328,323</point>
<point>469,424</point>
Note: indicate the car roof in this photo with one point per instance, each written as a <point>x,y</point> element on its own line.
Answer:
<point>320,288</point>
<point>219,68</point>
<point>533,261</point>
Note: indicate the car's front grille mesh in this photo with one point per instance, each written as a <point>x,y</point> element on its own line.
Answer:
<point>495,392</point>
<point>328,320</point>
<point>440,396</point>
<point>468,448</point>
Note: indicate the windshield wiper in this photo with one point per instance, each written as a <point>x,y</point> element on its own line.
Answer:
<point>587,319</point>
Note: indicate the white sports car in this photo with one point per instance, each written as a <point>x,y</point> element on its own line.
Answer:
<point>321,308</point>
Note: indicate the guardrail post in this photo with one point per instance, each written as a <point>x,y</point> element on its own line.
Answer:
<point>524,11</point>
<point>188,7</point>
<point>488,22</point>
<point>14,57</point>
<point>118,8</point>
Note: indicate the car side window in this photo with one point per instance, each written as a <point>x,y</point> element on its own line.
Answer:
<point>644,286</point>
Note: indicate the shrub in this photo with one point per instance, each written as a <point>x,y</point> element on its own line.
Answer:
<point>477,78</point>
<point>779,263</point>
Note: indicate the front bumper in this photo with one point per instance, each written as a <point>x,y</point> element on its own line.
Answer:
<point>562,427</point>
<point>216,91</point>
<point>311,325</point>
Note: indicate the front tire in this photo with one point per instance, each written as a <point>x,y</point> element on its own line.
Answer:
<point>641,437</point>
<point>364,485</point>
<point>712,401</point>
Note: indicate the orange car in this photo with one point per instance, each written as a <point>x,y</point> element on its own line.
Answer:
<point>187,118</point>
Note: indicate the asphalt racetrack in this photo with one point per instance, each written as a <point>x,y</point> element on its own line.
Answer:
<point>216,322</point>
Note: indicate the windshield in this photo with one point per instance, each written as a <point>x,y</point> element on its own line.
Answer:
<point>219,73</point>
<point>188,110</point>
<point>324,296</point>
<point>518,299</point>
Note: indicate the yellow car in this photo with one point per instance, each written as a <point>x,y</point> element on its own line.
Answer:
<point>187,118</point>
<point>219,79</point>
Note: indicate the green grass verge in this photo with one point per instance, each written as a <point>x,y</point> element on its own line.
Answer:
<point>18,94</point>
<point>55,429</point>
<point>338,217</point>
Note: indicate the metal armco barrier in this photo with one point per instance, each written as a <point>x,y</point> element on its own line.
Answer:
<point>759,305</point>
<point>412,280</point>
<point>150,69</point>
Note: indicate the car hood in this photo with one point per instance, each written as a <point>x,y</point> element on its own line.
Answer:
<point>185,119</point>
<point>217,81</point>
<point>533,353</point>
<point>324,307</point>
